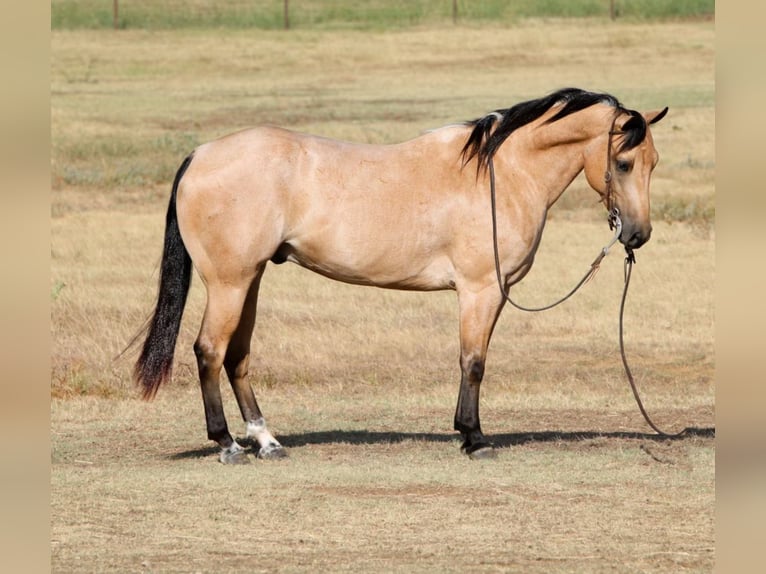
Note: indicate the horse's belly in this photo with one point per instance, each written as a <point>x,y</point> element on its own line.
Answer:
<point>392,269</point>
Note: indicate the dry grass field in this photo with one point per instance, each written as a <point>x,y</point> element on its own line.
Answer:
<point>360,384</point>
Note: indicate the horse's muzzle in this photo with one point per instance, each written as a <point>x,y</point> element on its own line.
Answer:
<point>633,238</point>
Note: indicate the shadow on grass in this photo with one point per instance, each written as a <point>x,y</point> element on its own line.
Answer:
<point>361,437</point>
<point>499,440</point>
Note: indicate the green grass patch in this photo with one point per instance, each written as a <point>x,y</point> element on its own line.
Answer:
<point>108,162</point>
<point>686,208</point>
<point>371,14</point>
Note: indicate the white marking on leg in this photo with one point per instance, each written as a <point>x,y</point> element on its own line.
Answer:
<point>257,430</point>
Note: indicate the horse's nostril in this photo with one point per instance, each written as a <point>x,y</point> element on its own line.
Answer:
<point>638,239</point>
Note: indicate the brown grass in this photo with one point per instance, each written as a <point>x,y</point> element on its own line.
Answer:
<point>370,490</point>
<point>360,383</point>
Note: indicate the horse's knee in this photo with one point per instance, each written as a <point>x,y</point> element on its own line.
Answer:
<point>473,369</point>
<point>476,372</point>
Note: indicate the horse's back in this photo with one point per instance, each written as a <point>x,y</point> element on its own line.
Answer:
<point>372,214</point>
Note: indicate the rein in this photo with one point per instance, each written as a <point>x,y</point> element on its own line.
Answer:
<point>614,223</point>
<point>630,259</point>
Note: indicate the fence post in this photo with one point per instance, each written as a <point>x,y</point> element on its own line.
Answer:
<point>287,14</point>
<point>454,11</point>
<point>612,10</point>
<point>115,14</point>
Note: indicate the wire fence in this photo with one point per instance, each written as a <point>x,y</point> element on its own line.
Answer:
<point>287,14</point>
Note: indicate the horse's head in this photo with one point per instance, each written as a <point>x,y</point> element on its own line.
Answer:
<point>619,166</point>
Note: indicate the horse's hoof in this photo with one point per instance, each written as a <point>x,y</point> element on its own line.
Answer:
<point>487,452</point>
<point>479,451</point>
<point>272,452</point>
<point>234,457</point>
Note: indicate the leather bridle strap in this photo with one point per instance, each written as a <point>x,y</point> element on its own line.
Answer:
<point>608,197</point>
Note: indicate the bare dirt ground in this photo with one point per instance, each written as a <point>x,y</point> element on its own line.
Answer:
<point>136,489</point>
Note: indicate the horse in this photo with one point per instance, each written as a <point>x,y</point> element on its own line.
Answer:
<point>413,216</point>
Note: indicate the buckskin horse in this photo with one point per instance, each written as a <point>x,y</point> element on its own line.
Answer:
<point>412,215</point>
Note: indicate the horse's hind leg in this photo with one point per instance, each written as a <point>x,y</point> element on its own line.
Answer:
<point>236,364</point>
<point>222,316</point>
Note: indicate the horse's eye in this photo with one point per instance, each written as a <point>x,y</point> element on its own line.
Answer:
<point>623,166</point>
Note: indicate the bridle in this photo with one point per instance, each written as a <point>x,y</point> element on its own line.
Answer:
<point>608,198</point>
<point>613,218</point>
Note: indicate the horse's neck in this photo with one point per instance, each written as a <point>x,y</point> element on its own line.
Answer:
<point>557,151</point>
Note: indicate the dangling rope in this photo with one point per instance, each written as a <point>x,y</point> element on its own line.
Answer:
<point>614,223</point>
<point>630,259</point>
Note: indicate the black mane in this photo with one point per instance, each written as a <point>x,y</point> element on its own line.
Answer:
<point>490,131</point>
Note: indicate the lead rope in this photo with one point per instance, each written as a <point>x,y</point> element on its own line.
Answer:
<point>614,223</point>
<point>630,259</point>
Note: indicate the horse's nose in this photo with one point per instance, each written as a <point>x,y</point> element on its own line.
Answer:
<point>639,237</point>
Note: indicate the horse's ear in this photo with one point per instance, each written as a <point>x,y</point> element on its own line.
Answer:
<point>655,116</point>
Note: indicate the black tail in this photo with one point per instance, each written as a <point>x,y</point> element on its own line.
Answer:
<point>155,364</point>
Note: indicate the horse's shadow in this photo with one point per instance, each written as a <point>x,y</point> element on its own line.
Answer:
<point>366,437</point>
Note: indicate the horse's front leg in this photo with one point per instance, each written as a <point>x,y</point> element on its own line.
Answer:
<point>478,314</point>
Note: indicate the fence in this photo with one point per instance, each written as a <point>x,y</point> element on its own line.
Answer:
<point>286,14</point>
